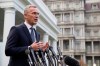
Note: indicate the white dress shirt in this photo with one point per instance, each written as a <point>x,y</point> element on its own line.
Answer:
<point>29,26</point>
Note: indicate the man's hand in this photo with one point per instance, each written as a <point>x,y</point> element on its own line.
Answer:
<point>45,46</point>
<point>35,46</point>
<point>39,45</point>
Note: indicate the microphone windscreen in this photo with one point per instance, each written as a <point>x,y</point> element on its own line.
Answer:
<point>27,51</point>
<point>71,61</point>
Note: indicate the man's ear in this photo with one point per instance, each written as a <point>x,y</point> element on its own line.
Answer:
<point>25,16</point>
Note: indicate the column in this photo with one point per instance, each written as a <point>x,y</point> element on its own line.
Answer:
<point>70,44</point>
<point>82,3</point>
<point>93,60</point>
<point>54,45</point>
<point>61,45</point>
<point>71,17</point>
<point>45,39</point>
<point>73,44</point>
<point>63,31</point>
<point>72,47</point>
<point>62,17</point>
<point>91,18</point>
<point>92,47</point>
<point>9,21</point>
<point>84,58</point>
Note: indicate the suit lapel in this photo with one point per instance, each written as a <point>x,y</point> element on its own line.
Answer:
<point>25,29</point>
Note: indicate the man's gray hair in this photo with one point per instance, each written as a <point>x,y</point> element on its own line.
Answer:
<point>29,6</point>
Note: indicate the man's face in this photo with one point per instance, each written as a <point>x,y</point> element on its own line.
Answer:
<point>31,16</point>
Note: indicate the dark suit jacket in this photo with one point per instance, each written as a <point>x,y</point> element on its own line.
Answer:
<point>18,41</point>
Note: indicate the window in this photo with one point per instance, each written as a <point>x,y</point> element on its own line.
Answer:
<point>49,6</point>
<point>88,46</point>
<point>96,46</point>
<point>61,30</point>
<point>77,17</point>
<point>67,31</point>
<point>65,45</point>
<point>94,6</point>
<point>77,32</point>
<point>94,19</point>
<point>96,32</point>
<point>88,33</point>
<point>19,18</point>
<point>78,57</point>
<point>1,24</point>
<point>87,17</point>
<point>77,45</point>
<point>67,17</point>
<point>89,61</point>
<point>58,16</point>
<point>97,60</point>
<point>58,6</point>
<point>67,6</point>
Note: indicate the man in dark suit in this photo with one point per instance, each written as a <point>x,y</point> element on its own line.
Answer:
<point>19,38</point>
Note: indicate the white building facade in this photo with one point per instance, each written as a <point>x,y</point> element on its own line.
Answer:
<point>79,23</point>
<point>11,13</point>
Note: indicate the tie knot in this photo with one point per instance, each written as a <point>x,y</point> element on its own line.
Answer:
<point>32,28</point>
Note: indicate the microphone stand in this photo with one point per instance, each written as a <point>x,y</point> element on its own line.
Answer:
<point>40,63</point>
<point>43,58</point>
<point>33,54</point>
<point>49,58</point>
<point>55,58</point>
<point>29,57</point>
<point>60,56</point>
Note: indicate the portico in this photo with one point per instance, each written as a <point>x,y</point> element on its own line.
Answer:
<point>11,12</point>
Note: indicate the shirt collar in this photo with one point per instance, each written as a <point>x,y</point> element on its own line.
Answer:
<point>29,26</point>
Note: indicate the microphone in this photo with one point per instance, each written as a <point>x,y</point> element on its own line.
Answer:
<point>29,57</point>
<point>27,51</point>
<point>54,54</point>
<point>59,51</point>
<point>71,61</point>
